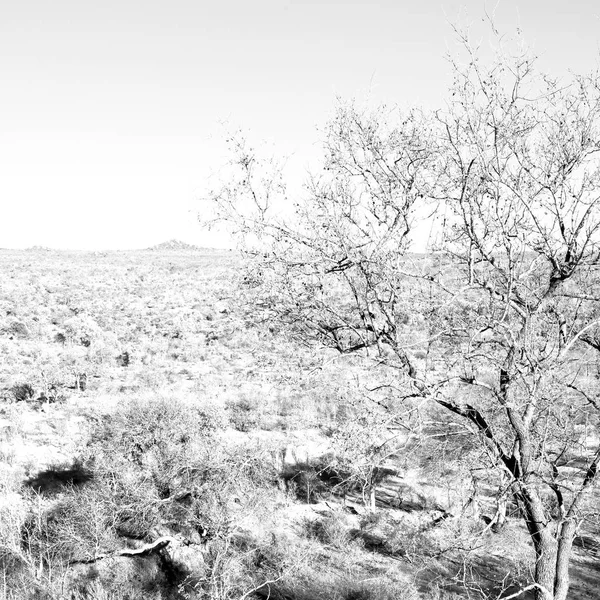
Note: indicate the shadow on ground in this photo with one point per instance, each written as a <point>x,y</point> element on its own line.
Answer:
<point>479,577</point>
<point>52,480</point>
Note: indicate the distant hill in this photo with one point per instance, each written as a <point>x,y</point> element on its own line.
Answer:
<point>176,245</point>
<point>168,246</point>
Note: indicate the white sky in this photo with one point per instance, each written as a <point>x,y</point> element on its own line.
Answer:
<point>110,111</point>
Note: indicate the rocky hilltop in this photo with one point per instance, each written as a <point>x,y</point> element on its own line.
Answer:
<point>177,245</point>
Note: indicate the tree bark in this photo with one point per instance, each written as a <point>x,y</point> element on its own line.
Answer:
<point>544,542</point>
<point>545,566</point>
<point>565,545</point>
<point>499,520</point>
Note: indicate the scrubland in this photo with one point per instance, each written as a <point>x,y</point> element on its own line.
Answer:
<point>161,439</point>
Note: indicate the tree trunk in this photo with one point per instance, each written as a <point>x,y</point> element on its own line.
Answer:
<point>499,520</point>
<point>545,565</point>
<point>372,501</point>
<point>563,557</point>
<point>544,542</point>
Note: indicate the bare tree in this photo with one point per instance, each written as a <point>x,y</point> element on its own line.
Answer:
<point>499,323</point>
<point>521,187</point>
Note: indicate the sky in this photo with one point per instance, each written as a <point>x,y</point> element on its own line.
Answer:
<point>112,112</point>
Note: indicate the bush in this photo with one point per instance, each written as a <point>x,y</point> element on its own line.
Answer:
<point>332,530</point>
<point>414,538</point>
<point>164,438</point>
<point>82,330</point>
<point>18,330</point>
<point>159,468</point>
<point>311,482</point>
<point>79,526</point>
<point>243,414</point>
<point>22,392</point>
<point>160,423</point>
<point>124,359</point>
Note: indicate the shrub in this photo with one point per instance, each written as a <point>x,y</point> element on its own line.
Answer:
<point>333,530</point>
<point>81,381</point>
<point>409,537</point>
<point>80,526</point>
<point>163,437</point>
<point>145,425</point>
<point>243,413</point>
<point>124,359</point>
<point>22,392</point>
<point>159,468</point>
<point>18,330</point>
<point>310,482</point>
<point>82,330</point>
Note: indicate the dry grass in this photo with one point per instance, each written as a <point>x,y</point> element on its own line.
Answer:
<point>185,439</point>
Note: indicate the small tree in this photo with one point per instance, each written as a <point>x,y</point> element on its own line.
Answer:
<point>499,323</point>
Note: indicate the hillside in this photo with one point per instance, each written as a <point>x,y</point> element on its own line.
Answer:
<point>179,246</point>
<point>160,438</point>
